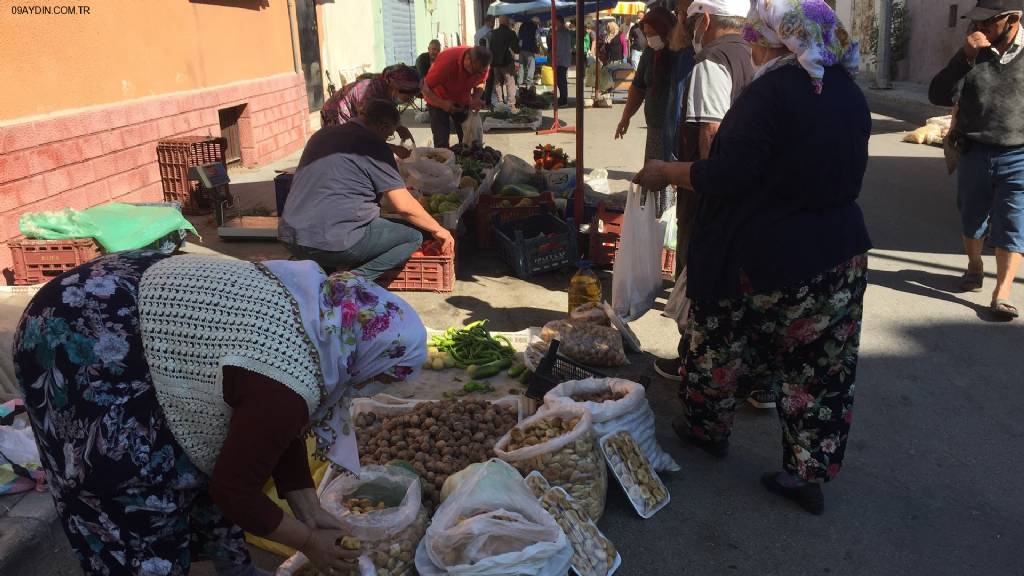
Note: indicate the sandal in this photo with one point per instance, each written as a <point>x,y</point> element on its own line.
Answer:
<point>1004,310</point>
<point>972,281</point>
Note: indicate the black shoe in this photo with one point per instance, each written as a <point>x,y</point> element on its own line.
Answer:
<point>669,369</point>
<point>718,449</point>
<point>808,496</point>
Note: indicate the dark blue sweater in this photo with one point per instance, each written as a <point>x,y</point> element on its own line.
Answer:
<point>777,196</point>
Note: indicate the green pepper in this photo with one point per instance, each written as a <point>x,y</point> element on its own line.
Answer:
<point>477,386</point>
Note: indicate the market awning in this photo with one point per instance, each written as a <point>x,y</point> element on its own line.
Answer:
<point>542,8</point>
<point>628,8</point>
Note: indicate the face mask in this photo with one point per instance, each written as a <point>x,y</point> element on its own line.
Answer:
<point>698,37</point>
<point>655,42</point>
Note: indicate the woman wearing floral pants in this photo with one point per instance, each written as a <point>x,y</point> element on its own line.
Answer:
<point>165,391</point>
<point>777,258</point>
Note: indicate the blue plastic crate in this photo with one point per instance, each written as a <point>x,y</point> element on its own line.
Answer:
<point>537,244</point>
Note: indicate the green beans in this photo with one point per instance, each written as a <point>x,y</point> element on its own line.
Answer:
<point>473,344</point>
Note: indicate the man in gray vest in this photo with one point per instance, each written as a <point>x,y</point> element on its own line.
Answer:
<point>985,80</point>
<point>722,70</point>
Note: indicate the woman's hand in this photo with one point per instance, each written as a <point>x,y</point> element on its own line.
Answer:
<point>404,133</point>
<point>307,509</point>
<point>324,550</point>
<point>401,151</point>
<point>622,128</point>
<point>654,175</point>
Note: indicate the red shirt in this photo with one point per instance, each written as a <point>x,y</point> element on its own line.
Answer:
<point>448,77</point>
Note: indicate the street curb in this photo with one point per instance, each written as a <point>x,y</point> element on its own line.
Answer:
<point>32,540</point>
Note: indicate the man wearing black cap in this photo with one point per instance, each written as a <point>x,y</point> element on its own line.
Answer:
<point>985,81</point>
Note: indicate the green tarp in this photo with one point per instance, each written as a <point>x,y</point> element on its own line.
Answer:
<point>115,226</point>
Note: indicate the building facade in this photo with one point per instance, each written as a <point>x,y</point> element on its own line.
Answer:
<point>931,33</point>
<point>367,35</point>
<point>88,96</point>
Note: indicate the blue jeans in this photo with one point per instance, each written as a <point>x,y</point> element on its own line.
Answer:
<point>990,195</point>
<point>527,68</point>
<point>387,245</point>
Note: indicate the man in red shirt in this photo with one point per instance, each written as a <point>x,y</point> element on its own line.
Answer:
<point>453,87</point>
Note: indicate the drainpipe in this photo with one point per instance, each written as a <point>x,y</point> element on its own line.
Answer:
<point>462,19</point>
<point>884,45</point>
<point>293,28</point>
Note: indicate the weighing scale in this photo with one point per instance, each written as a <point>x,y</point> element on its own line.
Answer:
<point>232,223</point>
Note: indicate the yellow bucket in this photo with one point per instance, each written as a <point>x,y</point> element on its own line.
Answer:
<point>547,76</point>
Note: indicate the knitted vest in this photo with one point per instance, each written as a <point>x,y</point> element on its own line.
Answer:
<point>199,314</point>
<point>992,102</point>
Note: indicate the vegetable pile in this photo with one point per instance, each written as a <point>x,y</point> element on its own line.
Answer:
<point>441,203</point>
<point>523,116</point>
<point>430,248</point>
<point>472,346</point>
<point>475,159</point>
<point>548,157</point>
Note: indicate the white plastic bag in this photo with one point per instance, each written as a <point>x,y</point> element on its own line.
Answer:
<point>19,444</point>
<point>598,182</point>
<point>430,177</point>
<point>631,413</point>
<point>671,224</point>
<point>636,276</point>
<point>571,460</point>
<point>492,525</point>
<point>389,536</point>
<point>472,129</point>
<point>439,155</point>
<point>678,305</point>
<point>514,170</point>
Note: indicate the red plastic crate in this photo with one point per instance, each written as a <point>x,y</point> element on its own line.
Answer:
<point>422,274</point>
<point>174,157</point>
<point>605,242</point>
<point>489,206</point>
<point>37,261</point>
<point>603,245</point>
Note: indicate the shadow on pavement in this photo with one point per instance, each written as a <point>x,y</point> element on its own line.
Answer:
<point>890,125</point>
<point>909,204</point>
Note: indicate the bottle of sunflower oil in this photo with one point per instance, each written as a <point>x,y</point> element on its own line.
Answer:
<point>584,286</point>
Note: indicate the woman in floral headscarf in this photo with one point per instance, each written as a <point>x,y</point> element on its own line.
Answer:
<point>165,391</point>
<point>398,83</point>
<point>777,260</point>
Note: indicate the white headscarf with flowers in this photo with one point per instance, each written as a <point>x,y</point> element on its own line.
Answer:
<point>360,331</point>
<point>810,30</point>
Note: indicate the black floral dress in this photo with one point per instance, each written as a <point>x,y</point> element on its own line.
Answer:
<point>803,342</point>
<point>130,500</point>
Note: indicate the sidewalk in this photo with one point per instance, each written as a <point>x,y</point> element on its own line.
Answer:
<point>906,101</point>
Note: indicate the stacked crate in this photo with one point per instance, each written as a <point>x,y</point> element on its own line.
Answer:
<point>175,156</point>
